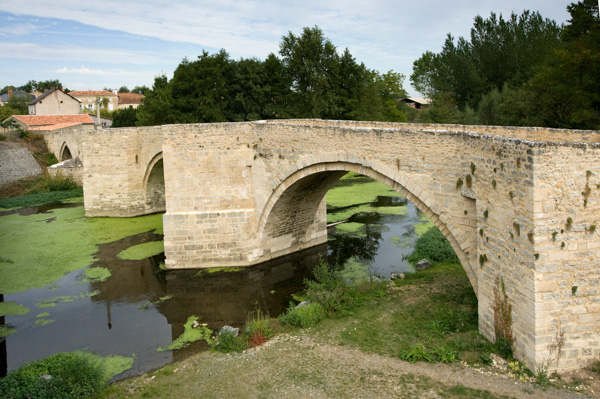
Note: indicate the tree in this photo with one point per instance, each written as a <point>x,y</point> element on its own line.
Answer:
<point>157,107</point>
<point>311,61</point>
<point>424,73</point>
<point>567,90</point>
<point>41,86</point>
<point>277,89</point>
<point>19,103</point>
<point>200,88</point>
<point>123,89</point>
<point>124,117</point>
<point>140,89</point>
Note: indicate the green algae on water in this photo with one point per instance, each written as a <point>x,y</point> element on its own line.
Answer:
<point>111,365</point>
<point>422,228</point>
<point>357,189</point>
<point>43,322</point>
<point>6,331</point>
<point>67,244</point>
<point>142,251</point>
<point>149,304</point>
<point>44,314</point>
<point>12,309</point>
<point>96,274</point>
<point>64,299</point>
<point>354,270</point>
<point>219,269</point>
<point>191,334</point>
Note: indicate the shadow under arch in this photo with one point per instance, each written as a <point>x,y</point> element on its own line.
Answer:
<point>154,185</point>
<point>65,153</point>
<point>296,208</point>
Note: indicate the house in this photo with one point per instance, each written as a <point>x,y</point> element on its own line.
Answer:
<point>17,93</point>
<point>130,100</point>
<point>53,122</point>
<point>54,102</point>
<point>417,102</point>
<point>89,98</point>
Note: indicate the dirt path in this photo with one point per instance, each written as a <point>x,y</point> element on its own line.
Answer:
<point>300,367</point>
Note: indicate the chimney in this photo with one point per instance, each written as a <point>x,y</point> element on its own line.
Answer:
<point>115,92</point>
<point>9,93</point>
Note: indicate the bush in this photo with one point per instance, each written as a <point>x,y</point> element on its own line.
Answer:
<point>227,342</point>
<point>433,246</point>
<point>39,198</point>
<point>65,375</point>
<point>304,316</point>
<point>260,324</point>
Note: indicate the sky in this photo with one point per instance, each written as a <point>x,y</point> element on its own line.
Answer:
<point>113,43</point>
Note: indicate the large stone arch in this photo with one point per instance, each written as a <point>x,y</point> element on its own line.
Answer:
<point>290,217</point>
<point>65,152</point>
<point>154,185</point>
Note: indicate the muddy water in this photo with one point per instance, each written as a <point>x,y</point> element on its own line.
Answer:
<point>140,307</point>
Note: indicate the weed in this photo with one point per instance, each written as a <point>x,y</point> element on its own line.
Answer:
<point>542,377</point>
<point>502,320</point>
<point>260,323</point>
<point>563,244</point>
<point>536,256</point>
<point>502,166</point>
<point>486,214</point>
<point>494,183</point>
<point>482,259</point>
<point>469,181</point>
<point>554,234</point>
<point>517,371</point>
<point>481,232</point>
<point>569,223</point>
<point>558,343</point>
<point>304,316</point>
<point>445,355</point>
<point>459,183</point>
<point>511,195</point>
<point>466,212</point>
<point>228,342</point>
<point>472,168</point>
<point>517,229</point>
<point>518,162</point>
<point>416,353</point>
<point>573,290</point>
<point>592,229</point>
<point>530,237</point>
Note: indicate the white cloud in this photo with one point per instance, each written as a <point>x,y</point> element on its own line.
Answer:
<point>83,70</point>
<point>71,53</point>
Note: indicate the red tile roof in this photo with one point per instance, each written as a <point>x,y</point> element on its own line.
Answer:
<point>41,120</point>
<point>55,126</point>
<point>130,98</point>
<point>91,93</point>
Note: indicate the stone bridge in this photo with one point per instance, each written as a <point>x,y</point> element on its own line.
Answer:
<point>518,205</point>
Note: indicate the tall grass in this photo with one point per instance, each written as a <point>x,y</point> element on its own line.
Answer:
<point>65,376</point>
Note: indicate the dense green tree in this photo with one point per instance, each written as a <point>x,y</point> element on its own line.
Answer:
<point>247,100</point>
<point>19,103</point>
<point>200,88</point>
<point>567,90</point>
<point>311,61</point>
<point>123,89</point>
<point>124,117</point>
<point>276,89</point>
<point>158,106</point>
<point>499,51</point>
<point>140,89</point>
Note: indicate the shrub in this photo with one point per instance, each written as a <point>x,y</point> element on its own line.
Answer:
<point>304,316</point>
<point>39,198</point>
<point>433,246</point>
<point>227,342</point>
<point>260,324</point>
<point>65,375</point>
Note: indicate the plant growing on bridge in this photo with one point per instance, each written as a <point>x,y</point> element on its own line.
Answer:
<point>494,183</point>
<point>459,183</point>
<point>469,181</point>
<point>472,168</point>
<point>503,320</point>
<point>569,223</point>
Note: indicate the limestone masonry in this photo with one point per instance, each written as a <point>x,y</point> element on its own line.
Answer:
<point>518,205</point>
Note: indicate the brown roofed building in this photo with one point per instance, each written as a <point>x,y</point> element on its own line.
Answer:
<point>89,98</point>
<point>53,122</point>
<point>130,100</point>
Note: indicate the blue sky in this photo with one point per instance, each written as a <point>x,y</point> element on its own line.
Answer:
<point>112,43</point>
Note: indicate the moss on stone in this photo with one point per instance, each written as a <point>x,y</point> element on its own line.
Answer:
<point>12,308</point>
<point>219,269</point>
<point>189,335</point>
<point>66,244</point>
<point>142,251</point>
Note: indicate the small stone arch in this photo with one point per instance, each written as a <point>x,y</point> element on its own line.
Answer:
<point>304,185</point>
<point>65,153</point>
<point>154,185</point>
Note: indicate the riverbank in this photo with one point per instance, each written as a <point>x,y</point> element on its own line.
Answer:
<point>360,355</point>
